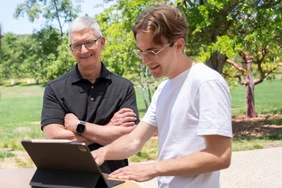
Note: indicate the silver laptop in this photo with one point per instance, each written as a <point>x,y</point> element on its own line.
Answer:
<point>64,164</point>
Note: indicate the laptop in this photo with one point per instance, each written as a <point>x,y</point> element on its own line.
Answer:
<point>62,163</point>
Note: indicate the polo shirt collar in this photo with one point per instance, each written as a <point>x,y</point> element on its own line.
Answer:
<point>76,76</point>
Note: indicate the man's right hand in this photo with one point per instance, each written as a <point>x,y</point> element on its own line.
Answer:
<point>99,155</point>
<point>124,117</point>
<point>71,122</point>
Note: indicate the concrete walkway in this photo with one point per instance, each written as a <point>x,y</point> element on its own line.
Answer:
<point>249,169</point>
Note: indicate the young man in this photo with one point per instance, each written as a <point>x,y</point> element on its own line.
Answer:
<point>89,104</point>
<point>191,111</point>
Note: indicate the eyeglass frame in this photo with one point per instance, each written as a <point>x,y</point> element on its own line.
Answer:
<point>80,44</point>
<point>141,55</point>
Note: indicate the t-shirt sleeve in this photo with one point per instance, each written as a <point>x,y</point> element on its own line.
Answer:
<point>214,108</point>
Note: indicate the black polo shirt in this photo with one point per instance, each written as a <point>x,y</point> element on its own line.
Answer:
<point>93,103</point>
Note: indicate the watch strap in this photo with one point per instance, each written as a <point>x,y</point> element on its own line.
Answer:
<point>82,122</point>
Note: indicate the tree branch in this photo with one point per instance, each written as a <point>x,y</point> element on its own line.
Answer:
<point>236,76</point>
<point>58,17</point>
<point>190,3</point>
<point>243,56</point>
<point>267,74</point>
<point>262,74</point>
<point>235,65</point>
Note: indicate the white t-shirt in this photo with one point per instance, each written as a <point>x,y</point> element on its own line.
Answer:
<point>193,104</point>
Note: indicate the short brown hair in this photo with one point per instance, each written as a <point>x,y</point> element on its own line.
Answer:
<point>162,21</point>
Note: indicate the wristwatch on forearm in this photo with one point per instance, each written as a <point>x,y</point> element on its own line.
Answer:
<point>80,127</point>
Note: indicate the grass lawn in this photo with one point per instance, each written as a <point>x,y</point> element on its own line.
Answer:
<point>20,111</point>
<point>267,100</point>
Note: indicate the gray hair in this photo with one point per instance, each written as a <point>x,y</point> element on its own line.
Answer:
<point>84,22</point>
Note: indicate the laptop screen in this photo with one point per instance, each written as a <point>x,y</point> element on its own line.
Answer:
<point>64,163</point>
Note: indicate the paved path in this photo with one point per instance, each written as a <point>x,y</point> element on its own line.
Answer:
<point>249,169</point>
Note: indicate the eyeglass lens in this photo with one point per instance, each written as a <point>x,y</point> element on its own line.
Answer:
<point>149,54</point>
<point>88,45</point>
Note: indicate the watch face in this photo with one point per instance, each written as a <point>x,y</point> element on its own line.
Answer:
<point>80,128</point>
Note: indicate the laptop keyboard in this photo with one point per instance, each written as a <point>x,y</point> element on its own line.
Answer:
<point>113,183</point>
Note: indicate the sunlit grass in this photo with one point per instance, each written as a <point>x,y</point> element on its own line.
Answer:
<point>6,154</point>
<point>148,152</point>
<point>251,144</point>
<point>266,98</point>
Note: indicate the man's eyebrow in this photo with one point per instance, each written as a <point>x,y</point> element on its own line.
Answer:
<point>149,49</point>
<point>83,42</point>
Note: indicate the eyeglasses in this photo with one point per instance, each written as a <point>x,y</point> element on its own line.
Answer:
<point>89,44</point>
<point>152,55</point>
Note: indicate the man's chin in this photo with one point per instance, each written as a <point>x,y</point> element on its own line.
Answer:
<point>156,76</point>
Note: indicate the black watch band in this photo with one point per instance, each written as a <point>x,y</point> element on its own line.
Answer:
<point>80,127</point>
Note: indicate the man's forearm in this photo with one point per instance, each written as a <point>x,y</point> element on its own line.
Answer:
<point>197,163</point>
<point>122,148</point>
<point>105,135</point>
<point>216,156</point>
<point>56,131</point>
<point>126,145</point>
<point>131,143</point>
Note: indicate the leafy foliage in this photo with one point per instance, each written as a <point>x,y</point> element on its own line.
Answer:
<point>233,26</point>
<point>60,63</point>
<point>13,55</point>
<point>37,55</point>
<point>61,11</point>
<point>44,45</point>
<point>27,56</point>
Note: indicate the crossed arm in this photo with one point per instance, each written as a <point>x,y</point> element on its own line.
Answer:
<point>121,123</point>
<point>216,156</point>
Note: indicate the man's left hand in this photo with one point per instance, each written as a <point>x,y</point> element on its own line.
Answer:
<point>125,117</point>
<point>136,172</point>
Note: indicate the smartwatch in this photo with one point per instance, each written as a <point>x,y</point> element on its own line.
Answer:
<point>80,127</point>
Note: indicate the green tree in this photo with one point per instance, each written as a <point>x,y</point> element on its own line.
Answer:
<point>62,63</point>
<point>43,46</point>
<point>13,55</point>
<point>60,11</point>
<point>45,42</point>
<point>26,56</point>
<point>239,38</point>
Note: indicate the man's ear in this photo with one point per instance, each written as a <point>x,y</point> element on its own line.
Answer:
<point>103,42</point>
<point>180,44</point>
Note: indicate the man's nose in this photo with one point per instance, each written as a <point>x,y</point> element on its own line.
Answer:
<point>83,48</point>
<point>145,60</point>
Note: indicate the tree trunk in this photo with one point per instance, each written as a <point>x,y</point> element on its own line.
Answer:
<point>250,85</point>
<point>148,86</point>
<point>216,61</point>
<point>143,88</point>
<point>250,97</point>
<point>144,98</point>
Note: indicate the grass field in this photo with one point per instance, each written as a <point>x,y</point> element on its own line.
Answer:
<point>20,111</point>
<point>268,98</point>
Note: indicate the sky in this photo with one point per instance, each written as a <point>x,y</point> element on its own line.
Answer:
<point>23,26</point>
